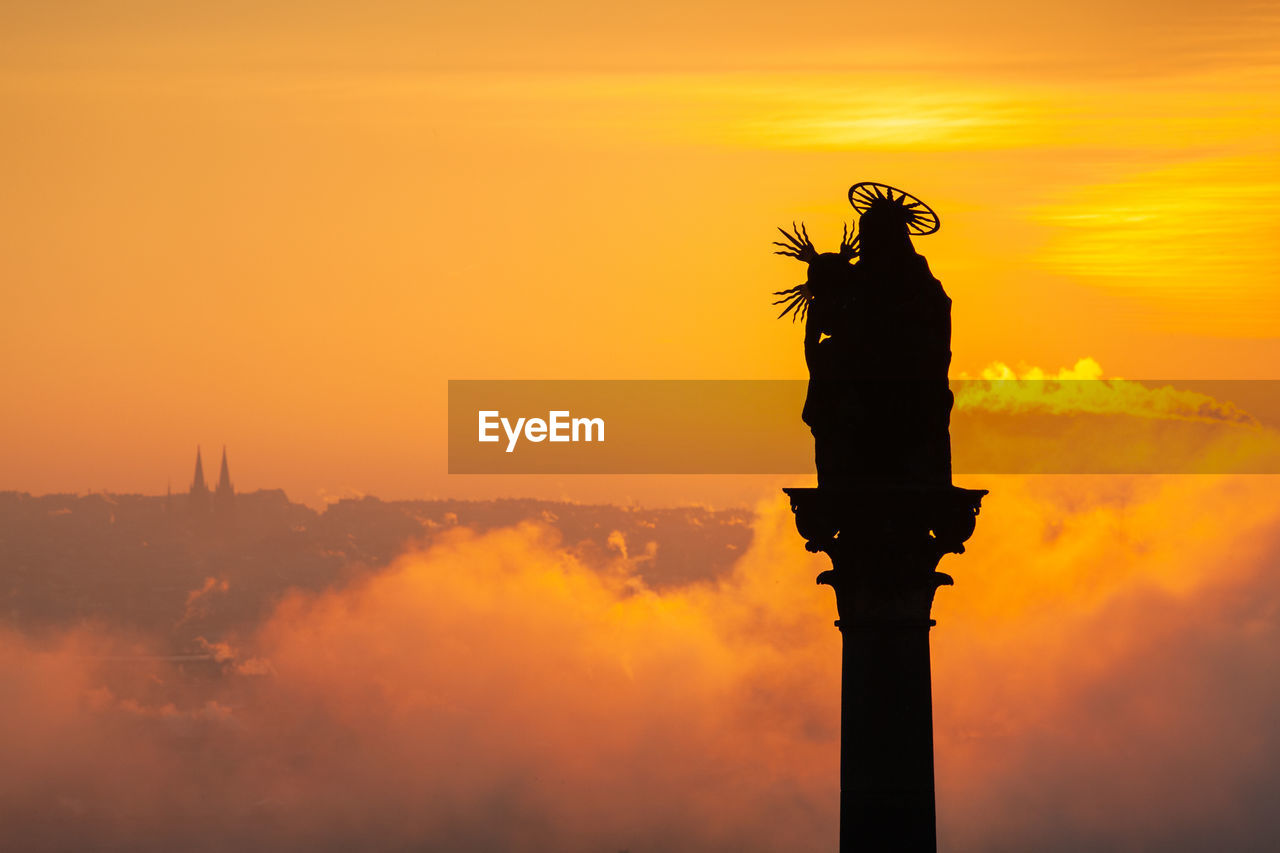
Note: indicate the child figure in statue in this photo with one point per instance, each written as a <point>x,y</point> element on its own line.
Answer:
<point>823,303</point>
<point>878,347</point>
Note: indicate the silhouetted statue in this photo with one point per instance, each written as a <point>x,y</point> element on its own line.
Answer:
<point>878,346</point>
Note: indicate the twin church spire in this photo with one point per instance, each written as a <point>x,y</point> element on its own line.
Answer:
<point>221,499</point>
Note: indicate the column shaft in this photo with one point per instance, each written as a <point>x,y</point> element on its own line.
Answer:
<point>886,740</point>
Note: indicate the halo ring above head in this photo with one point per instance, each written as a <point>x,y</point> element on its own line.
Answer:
<point>920,218</point>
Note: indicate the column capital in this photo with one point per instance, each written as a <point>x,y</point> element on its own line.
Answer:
<point>885,542</point>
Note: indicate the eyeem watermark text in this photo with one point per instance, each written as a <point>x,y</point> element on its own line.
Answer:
<point>557,427</point>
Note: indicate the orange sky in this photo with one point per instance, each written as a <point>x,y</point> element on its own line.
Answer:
<point>283,226</point>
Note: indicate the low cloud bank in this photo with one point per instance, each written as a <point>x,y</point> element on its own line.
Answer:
<point>1103,680</point>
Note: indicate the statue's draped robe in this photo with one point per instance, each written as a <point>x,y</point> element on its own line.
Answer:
<point>878,346</point>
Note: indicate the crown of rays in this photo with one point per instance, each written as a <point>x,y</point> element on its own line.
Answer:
<point>918,216</point>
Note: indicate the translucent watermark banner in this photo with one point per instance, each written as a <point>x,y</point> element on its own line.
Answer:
<point>998,426</point>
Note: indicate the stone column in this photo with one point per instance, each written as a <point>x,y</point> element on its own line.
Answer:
<point>885,543</point>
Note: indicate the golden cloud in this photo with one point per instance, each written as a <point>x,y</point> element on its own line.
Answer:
<point>1100,666</point>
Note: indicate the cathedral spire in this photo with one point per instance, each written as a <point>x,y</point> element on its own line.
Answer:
<point>198,496</point>
<point>224,498</point>
<point>224,477</point>
<point>198,484</point>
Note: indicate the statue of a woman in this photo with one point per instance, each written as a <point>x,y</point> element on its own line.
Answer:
<point>878,346</point>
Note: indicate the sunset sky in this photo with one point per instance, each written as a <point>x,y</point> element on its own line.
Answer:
<point>283,226</point>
